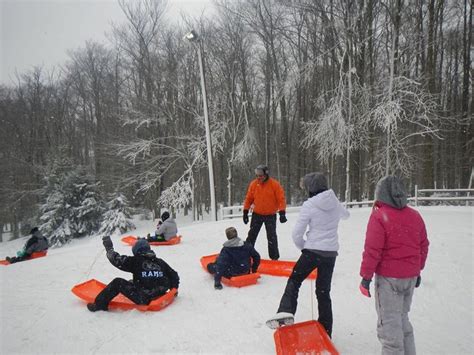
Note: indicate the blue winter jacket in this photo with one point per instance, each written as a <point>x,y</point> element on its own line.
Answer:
<point>236,258</point>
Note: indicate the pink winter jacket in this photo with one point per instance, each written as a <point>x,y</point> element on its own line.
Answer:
<point>396,244</point>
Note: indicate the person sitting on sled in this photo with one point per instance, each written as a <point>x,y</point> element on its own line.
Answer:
<point>36,243</point>
<point>152,276</point>
<point>236,258</point>
<point>166,229</point>
<point>318,220</point>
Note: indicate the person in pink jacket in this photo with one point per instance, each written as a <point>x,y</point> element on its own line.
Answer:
<point>395,251</point>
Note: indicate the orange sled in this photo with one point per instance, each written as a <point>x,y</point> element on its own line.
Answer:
<point>266,267</point>
<point>89,290</point>
<point>280,268</point>
<point>131,240</point>
<point>303,338</point>
<point>35,255</point>
<point>236,281</point>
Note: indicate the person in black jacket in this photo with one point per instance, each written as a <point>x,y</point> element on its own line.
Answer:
<point>236,258</point>
<point>36,243</point>
<point>152,276</point>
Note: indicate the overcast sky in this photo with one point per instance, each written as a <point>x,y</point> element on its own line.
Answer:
<point>39,32</point>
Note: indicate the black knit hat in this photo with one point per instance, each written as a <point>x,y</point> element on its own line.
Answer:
<point>165,216</point>
<point>34,230</point>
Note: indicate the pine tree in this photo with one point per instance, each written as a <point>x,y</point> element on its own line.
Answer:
<point>117,217</point>
<point>72,206</point>
<point>88,206</point>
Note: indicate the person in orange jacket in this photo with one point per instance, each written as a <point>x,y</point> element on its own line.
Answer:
<point>266,197</point>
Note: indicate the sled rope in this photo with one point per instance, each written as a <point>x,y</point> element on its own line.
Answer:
<point>94,261</point>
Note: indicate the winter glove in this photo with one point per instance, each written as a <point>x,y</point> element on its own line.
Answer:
<point>364,287</point>
<point>283,217</point>
<point>217,285</point>
<point>107,243</point>
<point>418,281</point>
<point>246,216</point>
<point>20,253</point>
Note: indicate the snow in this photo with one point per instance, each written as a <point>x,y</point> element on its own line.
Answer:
<point>40,315</point>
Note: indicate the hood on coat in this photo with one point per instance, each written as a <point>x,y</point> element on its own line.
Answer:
<point>141,247</point>
<point>325,200</point>
<point>390,190</point>
<point>315,183</point>
<point>234,242</point>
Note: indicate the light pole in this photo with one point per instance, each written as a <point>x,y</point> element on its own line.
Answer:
<point>193,37</point>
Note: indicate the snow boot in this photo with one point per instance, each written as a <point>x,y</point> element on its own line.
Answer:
<point>217,285</point>
<point>94,308</point>
<point>280,319</point>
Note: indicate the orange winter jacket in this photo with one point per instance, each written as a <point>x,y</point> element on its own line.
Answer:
<point>267,198</point>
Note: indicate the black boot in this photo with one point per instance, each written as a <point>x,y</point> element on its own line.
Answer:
<point>93,307</point>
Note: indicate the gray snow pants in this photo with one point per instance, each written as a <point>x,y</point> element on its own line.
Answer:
<point>392,301</point>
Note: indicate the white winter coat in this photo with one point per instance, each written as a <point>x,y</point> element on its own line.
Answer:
<point>321,213</point>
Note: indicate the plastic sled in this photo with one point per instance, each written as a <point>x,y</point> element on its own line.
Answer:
<point>89,290</point>
<point>280,268</point>
<point>308,337</point>
<point>35,255</point>
<point>236,281</point>
<point>131,240</point>
<point>266,267</point>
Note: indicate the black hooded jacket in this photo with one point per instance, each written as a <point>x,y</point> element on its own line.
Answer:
<point>36,243</point>
<point>151,274</point>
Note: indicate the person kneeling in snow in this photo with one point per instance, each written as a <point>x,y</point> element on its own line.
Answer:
<point>152,276</point>
<point>36,243</point>
<point>236,258</point>
<point>166,229</point>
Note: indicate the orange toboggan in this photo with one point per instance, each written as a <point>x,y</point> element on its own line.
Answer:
<point>35,255</point>
<point>308,337</point>
<point>131,240</point>
<point>89,290</point>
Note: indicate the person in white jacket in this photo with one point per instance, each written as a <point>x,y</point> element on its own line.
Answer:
<point>315,234</point>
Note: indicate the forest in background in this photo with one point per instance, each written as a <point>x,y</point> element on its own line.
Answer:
<point>353,88</point>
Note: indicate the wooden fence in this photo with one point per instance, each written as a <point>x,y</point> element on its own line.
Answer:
<point>237,211</point>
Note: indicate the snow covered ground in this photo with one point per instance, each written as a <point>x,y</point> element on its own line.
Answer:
<point>40,315</point>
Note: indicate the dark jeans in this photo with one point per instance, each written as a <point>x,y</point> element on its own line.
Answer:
<point>126,288</point>
<point>212,268</point>
<point>270,226</point>
<point>307,262</point>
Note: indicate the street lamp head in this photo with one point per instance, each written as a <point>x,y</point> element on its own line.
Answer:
<point>191,36</point>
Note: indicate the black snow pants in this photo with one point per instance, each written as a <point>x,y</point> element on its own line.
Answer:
<point>270,226</point>
<point>307,262</point>
<point>126,288</point>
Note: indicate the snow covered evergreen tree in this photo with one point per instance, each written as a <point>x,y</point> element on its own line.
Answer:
<point>87,203</point>
<point>117,217</point>
<point>72,205</point>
